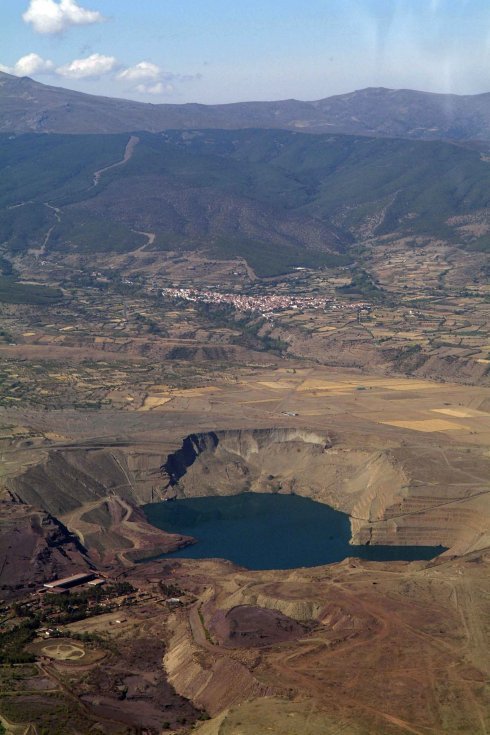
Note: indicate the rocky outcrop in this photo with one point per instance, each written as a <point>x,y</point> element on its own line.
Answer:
<point>240,447</point>
<point>115,528</point>
<point>96,493</point>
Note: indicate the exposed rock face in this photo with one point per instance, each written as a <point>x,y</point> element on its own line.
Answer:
<point>96,493</point>
<point>249,626</point>
<point>115,528</point>
<point>383,490</point>
<point>68,479</point>
<point>243,452</point>
<point>34,548</point>
<point>354,347</point>
<point>394,495</point>
<point>361,483</point>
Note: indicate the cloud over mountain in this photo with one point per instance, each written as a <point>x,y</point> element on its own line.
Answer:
<point>92,66</point>
<point>145,70</point>
<point>28,65</point>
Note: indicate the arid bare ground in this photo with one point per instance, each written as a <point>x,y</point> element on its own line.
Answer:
<point>408,459</point>
<point>391,648</point>
<point>361,647</point>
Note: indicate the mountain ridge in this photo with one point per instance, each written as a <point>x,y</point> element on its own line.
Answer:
<point>29,106</point>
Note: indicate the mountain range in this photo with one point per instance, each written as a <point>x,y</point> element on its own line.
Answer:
<point>28,106</point>
<point>243,179</point>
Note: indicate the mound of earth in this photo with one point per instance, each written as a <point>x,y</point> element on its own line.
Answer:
<point>115,527</point>
<point>132,689</point>
<point>247,626</point>
<point>388,637</point>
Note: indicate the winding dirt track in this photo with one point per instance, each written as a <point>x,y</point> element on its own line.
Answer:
<point>128,153</point>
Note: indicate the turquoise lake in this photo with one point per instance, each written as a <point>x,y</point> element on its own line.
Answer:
<point>266,531</point>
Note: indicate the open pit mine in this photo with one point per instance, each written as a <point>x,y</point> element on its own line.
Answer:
<point>356,646</point>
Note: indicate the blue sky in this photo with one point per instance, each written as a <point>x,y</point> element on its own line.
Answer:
<point>230,50</point>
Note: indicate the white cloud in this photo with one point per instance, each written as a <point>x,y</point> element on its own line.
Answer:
<point>144,78</point>
<point>49,16</point>
<point>28,65</point>
<point>148,78</point>
<point>158,88</point>
<point>93,66</point>
<point>143,70</point>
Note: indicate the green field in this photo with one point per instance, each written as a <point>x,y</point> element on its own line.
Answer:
<point>12,292</point>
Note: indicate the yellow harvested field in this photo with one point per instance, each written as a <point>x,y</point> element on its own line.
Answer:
<point>190,392</point>
<point>322,393</point>
<point>279,385</point>
<point>326,329</point>
<point>382,332</point>
<point>152,402</point>
<point>409,335</point>
<point>328,385</point>
<point>460,413</point>
<point>29,334</point>
<point>261,400</point>
<point>19,430</point>
<point>300,317</point>
<point>54,436</point>
<point>367,382</point>
<point>427,425</point>
<point>412,385</point>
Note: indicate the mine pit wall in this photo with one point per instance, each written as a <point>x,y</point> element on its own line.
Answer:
<point>460,526</point>
<point>210,680</point>
<point>243,444</point>
<point>360,482</point>
<point>302,610</point>
<point>68,479</point>
<point>373,486</point>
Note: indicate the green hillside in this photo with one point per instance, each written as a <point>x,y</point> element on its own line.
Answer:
<point>426,182</point>
<point>279,199</point>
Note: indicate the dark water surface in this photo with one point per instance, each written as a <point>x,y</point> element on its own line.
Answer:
<point>266,531</point>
